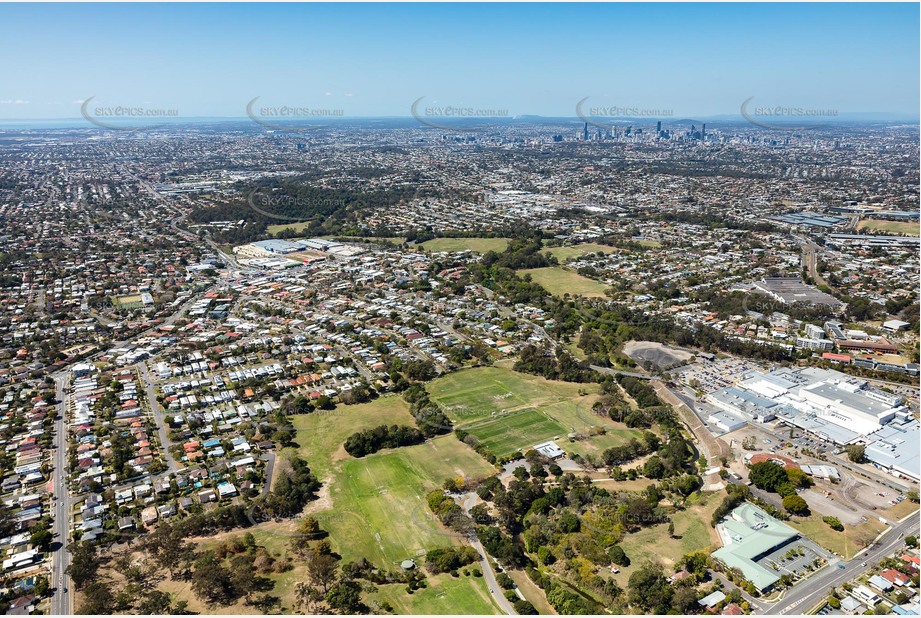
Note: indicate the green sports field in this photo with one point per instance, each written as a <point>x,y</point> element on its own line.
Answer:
<point>378,501</point>
<point>910,228</point>
<point>507,410</point>
<point>510,432</point>
<point>559,281</point>
<point>477,245</point>
<point>464,595</point>
<point>564,254</point>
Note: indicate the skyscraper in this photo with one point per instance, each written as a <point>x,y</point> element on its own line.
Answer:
<point>703,131</point>
<point>658,127</point>
<point>585,132</point>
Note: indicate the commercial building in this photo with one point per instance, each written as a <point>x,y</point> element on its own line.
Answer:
<point>831,405</point>
<point>749,535</point>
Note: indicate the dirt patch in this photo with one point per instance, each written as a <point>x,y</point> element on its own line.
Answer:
<point>826,506</point>
<point>658,354</point>
<point>323,502</point>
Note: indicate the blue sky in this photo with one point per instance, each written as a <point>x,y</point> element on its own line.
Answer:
<point>376,59</point>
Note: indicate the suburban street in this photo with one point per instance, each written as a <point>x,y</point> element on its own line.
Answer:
<point>159,417</point>
<point>466,502</point>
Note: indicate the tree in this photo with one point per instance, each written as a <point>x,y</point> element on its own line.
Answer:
<point>649,589</point>
<point>345,597</point>
<point>524,608</point>
<point>242,575</point>
<point>856,452</point>
<point>911,541</point>
<point>42,586</point>
<point>618,556</point>
<point>321,570</point>
<point>83,564</point>
<point>684,599</point>
<point>767,475</point>
<point>307,597</point>
<point>654,468</point>
<point>155,602</point>
<point>211,582</point>
<point>795,504</point>
<point>97,599</point>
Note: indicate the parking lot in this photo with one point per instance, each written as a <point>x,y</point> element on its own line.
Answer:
<point>709,376</point>
<point>787,559</point>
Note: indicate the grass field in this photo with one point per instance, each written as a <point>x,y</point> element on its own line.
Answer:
<point>559,281</point>
<point>510,410</point>
<point>397,240</point>
<point>477,245</point>
<point>320,435</point>
<point>464,595</point>
<point>909,228</point>
<point>375,506</point>
<point>564,254</point>
<point>507,433</point>
<point>845,543</point>
<point>297,226</point>
<point>652,244</point>
<point>378,508</point>
<point>692,531</point>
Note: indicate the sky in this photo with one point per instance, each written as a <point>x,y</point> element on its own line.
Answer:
<point>211,60</point>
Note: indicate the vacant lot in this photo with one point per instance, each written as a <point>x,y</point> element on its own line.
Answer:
<point>846,543</point>
<point>297,226</point>
<point>511,410</point>
<point>559,281</point>
<point>374,506</point>
<point>564,254</point>
<point>692,533</point>
<point>321,434</point>
<point>659,354</point>
<point>907,228</point>
<point>477,245</point>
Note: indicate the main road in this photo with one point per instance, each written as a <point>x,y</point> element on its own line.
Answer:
<point>804,596</point>
<point>60,602</point>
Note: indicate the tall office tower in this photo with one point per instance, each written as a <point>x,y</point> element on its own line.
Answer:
<point>585,132</point>
<point>703,131</point>
<point>659,126</point>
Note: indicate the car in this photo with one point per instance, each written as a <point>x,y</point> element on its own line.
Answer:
<point>863,564</point>
<point>841,566</point>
